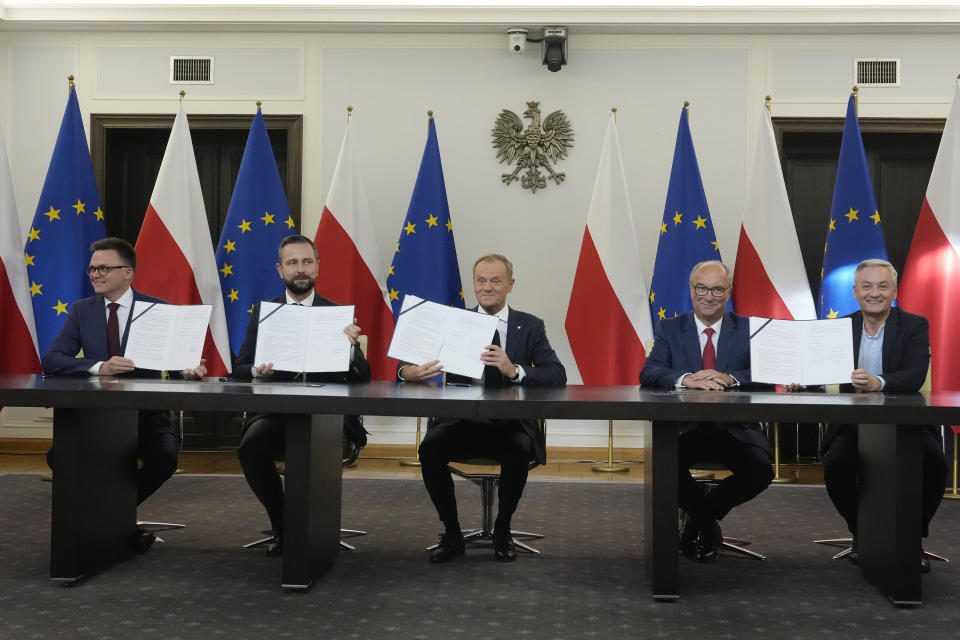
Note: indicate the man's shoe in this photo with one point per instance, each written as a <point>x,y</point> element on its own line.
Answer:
<point>451,545</point>
<point>708,543</point>
<point>688,538</point>
<point>503,547</point>
<point>924,563</point>
<point>275,548</point>
<point>143,540</point>
<point>854,555</point>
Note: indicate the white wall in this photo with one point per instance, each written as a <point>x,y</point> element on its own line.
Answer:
<point>392,79</point>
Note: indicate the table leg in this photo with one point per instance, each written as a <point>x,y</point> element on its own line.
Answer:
<point>311,535</point>
<point>660,509</point>
<point>94,514</point>
<point>888,519</point>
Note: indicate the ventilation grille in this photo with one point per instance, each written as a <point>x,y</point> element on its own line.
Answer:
<point>191,70</point>
<point>877,72</point>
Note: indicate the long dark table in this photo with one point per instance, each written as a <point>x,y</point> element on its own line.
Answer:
<point>889,505</point>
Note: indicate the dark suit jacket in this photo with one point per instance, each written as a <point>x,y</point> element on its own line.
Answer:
<point>676,351</point>
<point>86,329</point>
<point>527,346</point>
<point>359,370</point>
<point>905,356</point>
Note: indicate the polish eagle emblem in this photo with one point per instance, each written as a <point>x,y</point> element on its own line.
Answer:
<point>539,147</point>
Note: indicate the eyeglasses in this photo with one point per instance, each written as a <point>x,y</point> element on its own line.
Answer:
<point>102,270</point>
<point>701,290</point>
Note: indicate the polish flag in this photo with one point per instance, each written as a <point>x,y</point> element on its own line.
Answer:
<point>18,335</point>
<point>174,252</point>
<point>769,279</point>
<point>350,265</point>
<point>608,319</point>
<point>931,277</point>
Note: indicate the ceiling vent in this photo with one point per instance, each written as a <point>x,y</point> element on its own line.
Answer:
<point>191,70</point>
<point>876,72</point>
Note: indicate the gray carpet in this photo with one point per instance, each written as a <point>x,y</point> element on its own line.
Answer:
<point>588,583</point>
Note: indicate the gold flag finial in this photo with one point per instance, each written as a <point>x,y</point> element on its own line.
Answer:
<point>259,103</point>
<point>613,110</point>
<point>349,112</point>
<point>69,84</point>
<point>182,93</point>
<point>70,79</point>
<point>856,99</point>
<point>430,114</point>
<point>766,102</point>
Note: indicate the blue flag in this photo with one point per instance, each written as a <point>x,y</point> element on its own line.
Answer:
<point>257,220</point>
<point>425,259</point>
<point>854,233</point>
<point>67,221</point>
<point>686,232</point>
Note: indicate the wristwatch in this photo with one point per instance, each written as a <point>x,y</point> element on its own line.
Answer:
<point>516,375</point>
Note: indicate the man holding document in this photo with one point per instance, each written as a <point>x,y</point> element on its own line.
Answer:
<point>519,354</point>
<point>265,355</point>
<point>94,326</point>
<point>709,348</point>
<point>892,350</point>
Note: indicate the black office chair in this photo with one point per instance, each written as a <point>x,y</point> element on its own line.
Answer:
<point>705,476</point>
<point>156,527</point>
<point>488,483</point>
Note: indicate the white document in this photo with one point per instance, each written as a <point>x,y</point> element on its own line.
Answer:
<point>167,336</point>
<point>809,352</point>
<point>308,339</point>
<point>429,331</point>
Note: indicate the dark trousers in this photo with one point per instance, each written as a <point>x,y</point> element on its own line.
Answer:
<point>261,445</point>
<point>748,462</point>
<point>841,472</point>
<point>158,446</point>
<point>505,442</point>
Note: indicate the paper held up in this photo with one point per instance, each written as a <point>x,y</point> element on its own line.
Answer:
<point>167,337</point>
<point>308,339</point>
<point>808,352</point>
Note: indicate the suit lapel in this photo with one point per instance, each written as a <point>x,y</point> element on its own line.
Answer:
<point>857,327</point>
<point>725,341</point>
<point>691,342</point>
<point>514,334</point>
<point>890,337</point>
<point>99,328</point>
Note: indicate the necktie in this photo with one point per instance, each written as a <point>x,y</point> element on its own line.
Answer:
<point>113,331</point>
<point>709,353</point>
<point>492,378</point>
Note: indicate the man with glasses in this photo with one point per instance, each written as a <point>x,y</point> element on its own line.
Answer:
<point>519,355</point>
<point>709,349</point>
<point>99,326</point>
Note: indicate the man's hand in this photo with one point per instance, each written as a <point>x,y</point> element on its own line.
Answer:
<point>422,372</point>
<point>197,372</point>
<point>793,387</point>
<point>116,365</point>
<point>494,356</point>
<point>352,331</point>
<point>265,370</point>
<point>709,379</point>
<point>863,381</point>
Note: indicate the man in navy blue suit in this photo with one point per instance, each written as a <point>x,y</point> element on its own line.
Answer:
<point>99,326</point>
<point>891,349</point>
<point>520,355</point>
<point>709,349</point>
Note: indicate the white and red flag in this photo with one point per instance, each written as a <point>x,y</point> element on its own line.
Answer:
<point>608,319</point>
<point>769,279</point>
<point>931,277</point>
<point>174,253</point>
<point>351,270</point>
<point>18,335</point>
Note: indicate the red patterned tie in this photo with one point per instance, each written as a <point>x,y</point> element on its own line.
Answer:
<point>113,331</point>
<point>709,353</point>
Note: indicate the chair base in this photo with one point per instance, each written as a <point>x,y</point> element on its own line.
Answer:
<point>344,533</point>
<point>847,543</point>
<point>737,545</point>
<point>479,537</point>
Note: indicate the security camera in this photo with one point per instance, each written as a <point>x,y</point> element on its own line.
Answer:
<point>554,47</point>
<point>517,39</point>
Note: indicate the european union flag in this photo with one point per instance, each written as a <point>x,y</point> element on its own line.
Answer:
<point>67,221</point>
<point>257,220</point>
<point>854,233</point>
<point>425,259</point>
<point>686,232</point>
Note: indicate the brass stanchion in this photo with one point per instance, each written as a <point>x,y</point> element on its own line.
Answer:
<point>777,478</point>
<point>953,495</point>
<point>414,461</point>
<point>609,466</point>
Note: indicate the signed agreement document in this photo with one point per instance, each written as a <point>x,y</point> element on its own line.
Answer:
<point>429,331</point>
<point>809,352</point>
<point>308,339</point>
<point>167,337</point>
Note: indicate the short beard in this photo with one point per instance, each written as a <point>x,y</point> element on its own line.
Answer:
<point>299,289</point>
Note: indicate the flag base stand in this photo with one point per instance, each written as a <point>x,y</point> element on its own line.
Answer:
<point>609,466</point>
<point>777,478</point>
<point>414,461</point>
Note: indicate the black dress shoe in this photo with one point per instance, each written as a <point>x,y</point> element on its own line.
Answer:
<point>275,548</point>
<point>143,540</point>
<point>688,538</point>
<point>503,547</point>
<point>451,545</point>
<point>708,543</point>
<point>924,563</point>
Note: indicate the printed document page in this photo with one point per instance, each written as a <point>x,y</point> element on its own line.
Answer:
<point>808,352</point>
<point>167,336</point>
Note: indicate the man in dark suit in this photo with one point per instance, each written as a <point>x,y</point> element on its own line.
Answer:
<point>520,355</point>
<point>891,349</point>
<point>709,349</point>
<point>94,326</point>
<point>263,440</point>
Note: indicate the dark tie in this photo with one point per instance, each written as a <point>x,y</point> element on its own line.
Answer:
<point>113,331</point>
<point>709,353</point>
<point>492,378</point>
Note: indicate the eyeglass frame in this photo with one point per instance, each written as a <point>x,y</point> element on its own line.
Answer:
<point>104,269</point>
<point>702,289</point>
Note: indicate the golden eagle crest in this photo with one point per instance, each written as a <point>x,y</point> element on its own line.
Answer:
<point>533,148</point>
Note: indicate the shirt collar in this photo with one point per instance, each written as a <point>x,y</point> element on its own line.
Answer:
<point>307,302</point>
<point>125,301</point>
<point>701,326</point>
<point>503,314</point>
